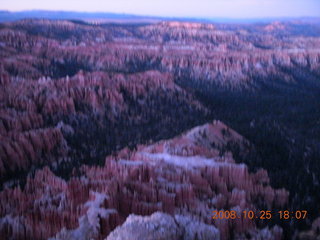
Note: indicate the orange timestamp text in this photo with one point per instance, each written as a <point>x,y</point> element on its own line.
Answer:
<point>263,215</point>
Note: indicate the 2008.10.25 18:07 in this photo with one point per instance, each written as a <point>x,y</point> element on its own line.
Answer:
<point>285,214</point>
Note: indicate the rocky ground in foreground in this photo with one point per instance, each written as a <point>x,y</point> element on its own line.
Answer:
<point>186,177</point>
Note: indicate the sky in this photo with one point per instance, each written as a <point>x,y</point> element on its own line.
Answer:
<point>177,8</point>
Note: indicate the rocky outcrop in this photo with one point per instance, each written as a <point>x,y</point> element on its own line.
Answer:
<point>33,112</point>
<point>185,177</point>
<point>160,226</point>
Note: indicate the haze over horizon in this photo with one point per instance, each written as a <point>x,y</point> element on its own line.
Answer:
<point>179,8</point>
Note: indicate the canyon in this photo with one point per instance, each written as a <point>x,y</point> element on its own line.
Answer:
<point>105,128</point>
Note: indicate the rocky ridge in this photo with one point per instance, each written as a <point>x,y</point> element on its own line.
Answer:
<point>185,177</point>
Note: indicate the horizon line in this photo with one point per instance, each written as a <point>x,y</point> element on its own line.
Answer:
<point>163,16</point>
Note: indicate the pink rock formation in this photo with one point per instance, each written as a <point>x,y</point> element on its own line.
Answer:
<point>26,137</point>
<point>183,176</point>
<point>35,88</point>
<point>69,68</point>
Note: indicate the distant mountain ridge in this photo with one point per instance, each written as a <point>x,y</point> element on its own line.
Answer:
<point>13,16</point>
<point>7,16</point>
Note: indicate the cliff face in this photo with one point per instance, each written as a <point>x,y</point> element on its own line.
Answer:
<point>186,177</point>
